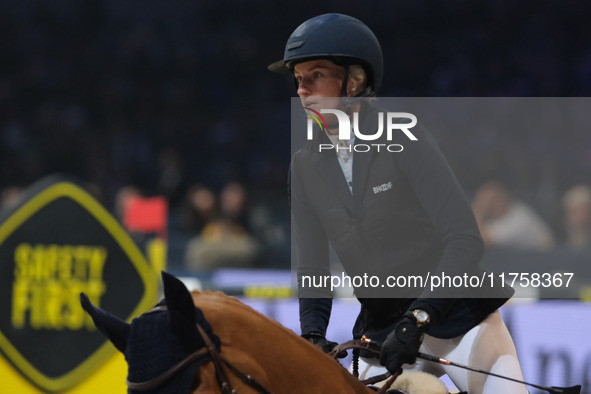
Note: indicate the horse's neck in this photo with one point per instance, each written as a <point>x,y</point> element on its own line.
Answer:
<point>284,358</point>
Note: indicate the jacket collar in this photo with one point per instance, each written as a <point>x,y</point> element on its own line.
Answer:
<point>329,169</point>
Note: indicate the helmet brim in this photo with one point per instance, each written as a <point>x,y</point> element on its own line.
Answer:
<point>279,67</point>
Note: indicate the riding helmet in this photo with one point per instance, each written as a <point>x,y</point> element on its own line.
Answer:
<point>338,37</point>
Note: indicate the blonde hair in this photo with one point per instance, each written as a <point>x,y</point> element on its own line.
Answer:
<point>358,76</point>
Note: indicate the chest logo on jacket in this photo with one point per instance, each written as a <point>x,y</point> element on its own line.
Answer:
<point>345,126</point>
<point>382,188</point>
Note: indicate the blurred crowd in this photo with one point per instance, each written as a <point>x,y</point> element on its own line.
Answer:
<point>507,221</point>
<point>173,98</point>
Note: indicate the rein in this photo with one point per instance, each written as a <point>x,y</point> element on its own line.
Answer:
<point>364,344</point>
<point>218,360</point>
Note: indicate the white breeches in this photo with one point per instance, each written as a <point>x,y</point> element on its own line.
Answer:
<point>488,347</point>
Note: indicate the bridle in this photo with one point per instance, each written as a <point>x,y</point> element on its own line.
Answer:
<point>219,361</point>
<point>220,364</point>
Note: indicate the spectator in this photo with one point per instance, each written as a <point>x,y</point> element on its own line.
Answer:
<point>577,216</point>
<point>233,204</point>
<point>122,198</point>
<point>198,208</point>
<point>224,241</point>
<point>506,221</point>
<point>10,197</point>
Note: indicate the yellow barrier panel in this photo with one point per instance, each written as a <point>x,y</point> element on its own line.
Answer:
<point>58,242</point>
<point>108,378</point>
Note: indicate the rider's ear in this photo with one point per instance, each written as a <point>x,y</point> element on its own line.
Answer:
<point>180,308</point>
<point>115,329</point>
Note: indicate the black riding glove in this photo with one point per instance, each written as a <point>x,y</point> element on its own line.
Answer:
<point>402,344</point>
<point>324,344</point>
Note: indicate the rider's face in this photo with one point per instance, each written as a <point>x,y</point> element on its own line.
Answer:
<point>318,79</point>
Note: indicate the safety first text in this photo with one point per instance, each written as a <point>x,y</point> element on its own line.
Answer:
<point>48,280</point>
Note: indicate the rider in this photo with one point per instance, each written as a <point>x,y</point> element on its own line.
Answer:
<point>421,219</point>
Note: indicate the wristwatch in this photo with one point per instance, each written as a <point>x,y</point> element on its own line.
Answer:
<point>421,317</point>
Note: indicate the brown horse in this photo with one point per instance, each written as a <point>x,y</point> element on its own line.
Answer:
<point>207,342</point>
<point>277,358</point>
<point>284,362</point>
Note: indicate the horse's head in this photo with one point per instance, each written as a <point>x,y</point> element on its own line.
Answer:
<point>166,347</point>
<point>160,339</point>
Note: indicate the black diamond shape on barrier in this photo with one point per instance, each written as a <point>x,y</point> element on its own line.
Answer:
<point>61,231</point>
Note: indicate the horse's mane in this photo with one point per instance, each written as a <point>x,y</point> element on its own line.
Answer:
<point>216,301</point>
<point>228,313</point>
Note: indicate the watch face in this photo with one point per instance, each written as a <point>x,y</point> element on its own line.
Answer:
<point>421,316</point>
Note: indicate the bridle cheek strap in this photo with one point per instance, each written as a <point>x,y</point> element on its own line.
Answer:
<point>218,361</point>
<point>220,371</point>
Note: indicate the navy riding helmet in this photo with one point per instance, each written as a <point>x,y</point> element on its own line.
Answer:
<point>338,37</point>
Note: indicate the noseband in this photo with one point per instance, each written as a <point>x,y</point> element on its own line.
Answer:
<point>218,360</point>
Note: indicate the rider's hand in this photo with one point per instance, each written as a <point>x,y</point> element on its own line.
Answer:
<point>324,344</point>
<point>402,344</point>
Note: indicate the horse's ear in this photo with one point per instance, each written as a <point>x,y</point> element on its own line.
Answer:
<point>180,306</point>
<point>115,329</point>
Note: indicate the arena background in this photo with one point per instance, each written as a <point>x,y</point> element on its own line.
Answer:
<point>155,99</point>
